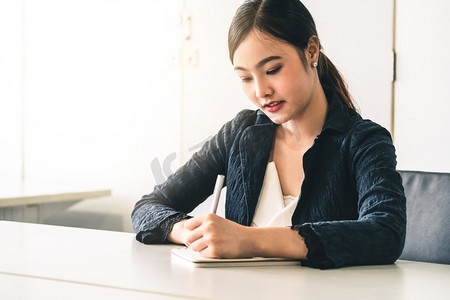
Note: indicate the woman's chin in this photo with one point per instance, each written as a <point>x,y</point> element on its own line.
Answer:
<point>277,119</point>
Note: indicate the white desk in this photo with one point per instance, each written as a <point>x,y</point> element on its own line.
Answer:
<point>114,263</point>
<point>22,287</point>
<point>35,201</point>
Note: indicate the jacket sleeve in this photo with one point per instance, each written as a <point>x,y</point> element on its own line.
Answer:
<point>154,215</point>
<point>378,235</point>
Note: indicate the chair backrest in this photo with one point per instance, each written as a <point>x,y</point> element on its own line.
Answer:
<point>428,216</point>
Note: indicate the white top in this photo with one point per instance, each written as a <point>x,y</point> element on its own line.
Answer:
<point>273,209</point>
<point>288,199</point>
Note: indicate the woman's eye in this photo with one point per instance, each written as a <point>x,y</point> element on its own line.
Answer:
<point>273,71</point>
<point>246,79</point>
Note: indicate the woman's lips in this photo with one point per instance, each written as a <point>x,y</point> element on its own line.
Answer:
<point>273,106</point>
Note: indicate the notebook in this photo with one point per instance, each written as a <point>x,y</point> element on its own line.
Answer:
<point>194,258</point>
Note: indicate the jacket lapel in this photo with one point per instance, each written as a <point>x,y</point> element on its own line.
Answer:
<point>254,148</point>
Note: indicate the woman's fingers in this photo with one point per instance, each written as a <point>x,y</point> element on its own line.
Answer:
<point>199,245</point>
<point>199,231</point>
<point>193,223</point>
<point>194,235</point>
<point>214,236</point>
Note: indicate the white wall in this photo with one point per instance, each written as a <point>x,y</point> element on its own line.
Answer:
<point>422,126</point>
<point>212,91</point>
<point>357,37</point>
<point>101,98</point>
<point>10,89</point>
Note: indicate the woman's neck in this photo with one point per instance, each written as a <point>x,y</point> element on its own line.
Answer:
<point>309,123</point>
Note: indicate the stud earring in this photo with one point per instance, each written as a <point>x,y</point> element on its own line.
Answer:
<point>314,64</point>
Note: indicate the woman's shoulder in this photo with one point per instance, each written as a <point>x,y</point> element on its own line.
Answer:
<point>363,126</point>
<point>246,118</point>
<point>251,115</point>
<point>351,124</point>
<point>245,115</point>
<point>365,132</point>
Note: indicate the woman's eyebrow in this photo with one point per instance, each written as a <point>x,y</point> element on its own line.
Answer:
<point>261,63</point>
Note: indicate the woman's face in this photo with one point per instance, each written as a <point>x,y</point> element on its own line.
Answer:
<point>274,78</point>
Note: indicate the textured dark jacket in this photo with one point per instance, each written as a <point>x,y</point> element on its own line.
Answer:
<point>351,209</point>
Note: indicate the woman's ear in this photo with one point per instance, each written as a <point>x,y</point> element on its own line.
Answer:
<point>313,49</point>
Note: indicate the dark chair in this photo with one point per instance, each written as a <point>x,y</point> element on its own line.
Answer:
<point>428,216</point>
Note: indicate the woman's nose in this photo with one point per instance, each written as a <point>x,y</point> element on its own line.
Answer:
<point>262,89</point>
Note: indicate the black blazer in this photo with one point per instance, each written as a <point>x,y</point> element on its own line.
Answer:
<point>351,209</point>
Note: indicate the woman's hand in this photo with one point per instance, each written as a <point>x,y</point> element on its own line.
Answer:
<point>178,233</point>
<point>214,236</point>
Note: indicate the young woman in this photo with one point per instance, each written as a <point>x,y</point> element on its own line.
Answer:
<point>306,176</point>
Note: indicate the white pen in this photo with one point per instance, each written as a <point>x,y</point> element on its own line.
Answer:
<point>217,189</point>
<point>216,195</point>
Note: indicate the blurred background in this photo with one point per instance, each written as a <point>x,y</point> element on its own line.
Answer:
<point>116,94</point>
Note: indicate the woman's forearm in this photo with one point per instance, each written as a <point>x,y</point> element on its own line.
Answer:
<point>214,236</point>
<point>277,242</point>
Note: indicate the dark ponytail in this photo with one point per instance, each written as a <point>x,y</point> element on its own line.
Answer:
<point>330,76</point>
<point>290,21</point>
